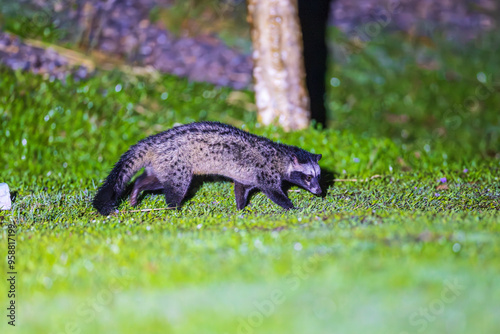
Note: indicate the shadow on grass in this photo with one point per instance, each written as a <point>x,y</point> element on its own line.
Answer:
<point>327,181</point>
<point>13,196</point>
<point>196,183</point>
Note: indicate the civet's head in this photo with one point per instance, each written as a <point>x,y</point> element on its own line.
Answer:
<point>304,171</point>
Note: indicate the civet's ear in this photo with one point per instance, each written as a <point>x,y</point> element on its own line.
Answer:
<point>295,160</point>
<point>318,157</point>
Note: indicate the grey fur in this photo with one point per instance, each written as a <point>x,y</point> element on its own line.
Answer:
<point>171,158</point>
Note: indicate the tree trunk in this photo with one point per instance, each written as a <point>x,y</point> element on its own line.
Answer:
<point>278,72</point>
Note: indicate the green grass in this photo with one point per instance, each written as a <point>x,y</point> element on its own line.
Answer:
<point>396,253</point>
<point>30,20</point>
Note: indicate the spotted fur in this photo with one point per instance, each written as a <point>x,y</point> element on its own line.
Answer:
<point>171,158</point>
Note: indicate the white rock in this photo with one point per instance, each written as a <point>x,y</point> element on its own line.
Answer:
<point>5,203</point>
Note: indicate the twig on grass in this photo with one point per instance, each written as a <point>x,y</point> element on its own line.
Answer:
<point>359,180</point>
<point>147,210</point>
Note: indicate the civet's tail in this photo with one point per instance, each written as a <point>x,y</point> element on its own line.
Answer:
<point>113,187</point>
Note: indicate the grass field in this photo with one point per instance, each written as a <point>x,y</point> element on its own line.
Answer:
<point>406,238</point>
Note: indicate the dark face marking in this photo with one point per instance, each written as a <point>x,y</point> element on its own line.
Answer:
<point>306,181</point>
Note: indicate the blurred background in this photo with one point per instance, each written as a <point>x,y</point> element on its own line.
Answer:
<point>210,40</point>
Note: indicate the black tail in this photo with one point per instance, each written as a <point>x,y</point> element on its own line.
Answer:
<point>110,192</point>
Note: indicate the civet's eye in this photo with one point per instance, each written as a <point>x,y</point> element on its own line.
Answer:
<point>308,178</point>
